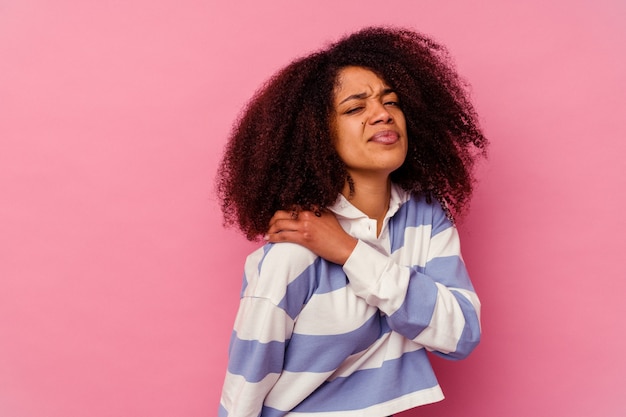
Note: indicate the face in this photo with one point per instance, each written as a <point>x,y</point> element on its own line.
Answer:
<point>368,124</point>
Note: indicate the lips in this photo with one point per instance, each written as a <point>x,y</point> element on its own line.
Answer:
<point>385,137</point>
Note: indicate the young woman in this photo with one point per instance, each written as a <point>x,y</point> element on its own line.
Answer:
<point>351,163</point>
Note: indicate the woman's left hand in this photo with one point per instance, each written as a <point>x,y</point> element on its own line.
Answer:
<point>319,231</point>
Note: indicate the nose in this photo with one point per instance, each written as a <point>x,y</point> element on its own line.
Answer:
<point>380,114</point>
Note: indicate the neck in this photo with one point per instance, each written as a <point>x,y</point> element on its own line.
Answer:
<point>371,197</point>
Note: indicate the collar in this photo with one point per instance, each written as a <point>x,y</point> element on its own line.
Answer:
<point>343,209</point>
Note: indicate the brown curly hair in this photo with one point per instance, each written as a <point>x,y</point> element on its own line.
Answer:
<point>280,152</point>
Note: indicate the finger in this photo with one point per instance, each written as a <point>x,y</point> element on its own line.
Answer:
<point>283,215</point>
<point>282,225</point>
<point>283,236</point>
<point>315,209</point>
<point>291,211</point>
<point>309,218</point>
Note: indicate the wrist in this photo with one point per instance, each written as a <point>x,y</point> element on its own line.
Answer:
<point>346,250</point>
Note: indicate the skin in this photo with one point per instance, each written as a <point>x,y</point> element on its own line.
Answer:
<point>369,131</point>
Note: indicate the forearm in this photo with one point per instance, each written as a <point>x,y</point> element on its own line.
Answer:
<point>441,314</point>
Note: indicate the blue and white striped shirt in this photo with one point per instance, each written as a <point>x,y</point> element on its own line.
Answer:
<point>312,336</point>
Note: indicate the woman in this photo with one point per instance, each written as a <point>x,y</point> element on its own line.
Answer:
<point>351,163</point>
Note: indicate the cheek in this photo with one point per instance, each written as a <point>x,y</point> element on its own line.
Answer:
<point>344,134</point>
<point>338,142</point>
<point>343,151</point>
<point>401,120</point>
<point>348,151</point>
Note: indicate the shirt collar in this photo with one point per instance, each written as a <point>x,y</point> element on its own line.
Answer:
<point>344,209</point>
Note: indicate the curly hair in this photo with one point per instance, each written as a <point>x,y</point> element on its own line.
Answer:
<point>280,152</point>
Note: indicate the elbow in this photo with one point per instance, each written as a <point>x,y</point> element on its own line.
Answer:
<point>470,337</point>
<point>466,345</point>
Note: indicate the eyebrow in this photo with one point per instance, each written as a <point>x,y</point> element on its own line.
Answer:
<point>361,96</point>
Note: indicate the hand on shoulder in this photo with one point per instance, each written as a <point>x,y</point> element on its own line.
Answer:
<point>318,230</point>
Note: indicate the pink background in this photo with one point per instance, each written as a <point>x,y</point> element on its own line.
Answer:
<point>118,285</point>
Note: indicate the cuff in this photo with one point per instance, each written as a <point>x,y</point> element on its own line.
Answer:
<point>365,267</point>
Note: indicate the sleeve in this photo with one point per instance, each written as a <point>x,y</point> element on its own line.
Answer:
<point>255,357</point>
<point>270,303</point>
<point>433,304</point>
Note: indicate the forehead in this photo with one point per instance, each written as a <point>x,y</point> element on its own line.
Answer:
<point>352,80</point>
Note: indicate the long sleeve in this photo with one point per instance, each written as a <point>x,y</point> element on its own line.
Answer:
<point>310,338</point>
<point>256,356</point>
<point>263,326</point>
<point>423,286</point>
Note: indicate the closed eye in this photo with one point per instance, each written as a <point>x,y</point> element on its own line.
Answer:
<point>390,98</point>
<point>354,110</point>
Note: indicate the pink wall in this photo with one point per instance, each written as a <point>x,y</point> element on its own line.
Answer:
<point>118,286</point>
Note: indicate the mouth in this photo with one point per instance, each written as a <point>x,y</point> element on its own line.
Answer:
<point>385,137</point>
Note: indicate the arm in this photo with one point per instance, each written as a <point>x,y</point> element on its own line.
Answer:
<point>257,347</point>
<point>432,303</point>
<point>255,357</point>
<point>321,233</point>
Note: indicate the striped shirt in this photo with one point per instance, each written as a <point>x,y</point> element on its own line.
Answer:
<point>312,336</point>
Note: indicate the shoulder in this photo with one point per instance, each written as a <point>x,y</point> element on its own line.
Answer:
<point>274,267</point>
<point>418,210</point>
